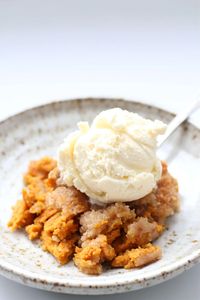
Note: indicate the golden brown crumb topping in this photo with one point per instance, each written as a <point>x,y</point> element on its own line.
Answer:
<point>118,234</point>
<point>137,257</point>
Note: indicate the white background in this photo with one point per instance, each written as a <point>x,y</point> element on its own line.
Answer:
<point>142,50</point>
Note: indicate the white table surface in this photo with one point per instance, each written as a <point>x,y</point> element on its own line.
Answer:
<point>143,50</point>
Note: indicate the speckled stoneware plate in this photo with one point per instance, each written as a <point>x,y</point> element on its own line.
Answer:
<point>37,132</point>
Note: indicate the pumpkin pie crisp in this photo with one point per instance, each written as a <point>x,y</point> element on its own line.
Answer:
<point>70,227</point>
<point>106,197</point>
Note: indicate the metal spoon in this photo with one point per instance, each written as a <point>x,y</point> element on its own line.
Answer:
<point>177,121</point>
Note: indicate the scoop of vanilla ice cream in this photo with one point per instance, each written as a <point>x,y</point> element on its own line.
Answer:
<point>114,159</point>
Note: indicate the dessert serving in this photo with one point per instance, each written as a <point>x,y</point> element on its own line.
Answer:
<point>106,197</point>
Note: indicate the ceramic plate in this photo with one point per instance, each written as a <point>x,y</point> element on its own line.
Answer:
<point>37,132</point>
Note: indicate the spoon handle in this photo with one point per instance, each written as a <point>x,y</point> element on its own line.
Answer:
<point>178,120</point>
